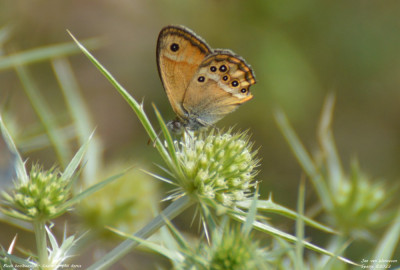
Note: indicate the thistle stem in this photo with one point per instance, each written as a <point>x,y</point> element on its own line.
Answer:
<point>41,242</point>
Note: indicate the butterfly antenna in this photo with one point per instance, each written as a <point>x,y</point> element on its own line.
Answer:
<point>188,133</point>
<point>155,139</point>
<point>215,127</point>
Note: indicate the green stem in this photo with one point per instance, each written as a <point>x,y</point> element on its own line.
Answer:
<point>56,137</point>
<point>41,241</point>
<point>169,213</point>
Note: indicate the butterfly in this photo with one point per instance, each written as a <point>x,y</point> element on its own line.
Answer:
<point>202,84</point>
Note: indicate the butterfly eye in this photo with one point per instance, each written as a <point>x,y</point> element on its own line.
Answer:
<point>201,79</point>
<point>243,90</point>
<point>213,68</point>
<point>225,78</point>
<point>235,83</point>
<point>174,47</point>
<point>223,68</point>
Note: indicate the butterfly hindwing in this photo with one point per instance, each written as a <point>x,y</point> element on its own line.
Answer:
<point>220,84</point>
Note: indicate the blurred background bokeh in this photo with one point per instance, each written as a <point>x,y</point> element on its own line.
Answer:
<point>300,51</point>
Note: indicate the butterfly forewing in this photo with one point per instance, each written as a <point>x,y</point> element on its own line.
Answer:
<point>179,54</point>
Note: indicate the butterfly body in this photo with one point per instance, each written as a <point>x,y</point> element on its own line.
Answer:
<point>202,84</point>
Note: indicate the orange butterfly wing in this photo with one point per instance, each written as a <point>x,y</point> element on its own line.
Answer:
<point>179,54</point>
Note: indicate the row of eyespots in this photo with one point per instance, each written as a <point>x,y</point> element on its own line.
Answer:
<point>223,68</point>
<point>234,83</point>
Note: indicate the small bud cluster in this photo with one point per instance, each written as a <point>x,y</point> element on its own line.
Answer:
<point>40,197</point>
<point>358,203</point>
<point>234,251</point>
<point>123,204</point>
<point>229,250</point>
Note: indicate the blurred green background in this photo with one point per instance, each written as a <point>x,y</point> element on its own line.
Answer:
<point>300,52</point>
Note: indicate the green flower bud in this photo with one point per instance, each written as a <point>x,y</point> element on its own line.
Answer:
<point>358,203</point>
<point>230,249</point>
<point>123,204</point>
<point>40,197</point>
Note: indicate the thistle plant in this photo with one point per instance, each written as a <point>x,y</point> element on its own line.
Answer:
<point>39,197</point>
<point>351,202</point>
<point>359,204</point>
<point>215,170</point>
<point>230,248</point>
